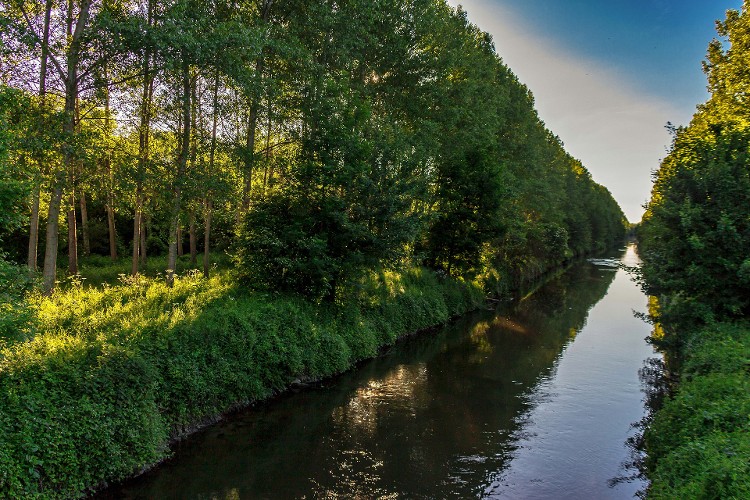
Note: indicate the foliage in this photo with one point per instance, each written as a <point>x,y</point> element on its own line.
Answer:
<point>330,144</point>
<point>694,240</point>
<point>697,226</point>
<point>391,131</point>
<point>114,372</point>
<point>699,443</point>
<point>14,150</point>
<point>16,314</point>
<point>301,246</point>
<point>420,145</point>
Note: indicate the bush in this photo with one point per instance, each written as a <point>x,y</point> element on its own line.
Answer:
<point>699,443</point>
<point>115,372</point>
<point>714,466</point>
<point>15,315</point>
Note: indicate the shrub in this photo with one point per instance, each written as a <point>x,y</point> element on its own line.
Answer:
<point>117,371</point>
<point>699,443</point>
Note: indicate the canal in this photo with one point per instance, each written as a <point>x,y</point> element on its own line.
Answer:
<point>533,400</point>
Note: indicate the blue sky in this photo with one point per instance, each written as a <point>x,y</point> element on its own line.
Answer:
<point>607,75</point>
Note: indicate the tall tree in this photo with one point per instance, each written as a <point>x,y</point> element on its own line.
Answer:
<point>70,76</point>
<point>76,41</point>
<point>144,140</point>
<point>696,229</point>
<point>32,256</point>
<point>182,158</point>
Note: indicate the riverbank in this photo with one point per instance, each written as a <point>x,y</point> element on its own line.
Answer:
<point>110,376</point>
<point>698,444</point>
<point>493,404</point>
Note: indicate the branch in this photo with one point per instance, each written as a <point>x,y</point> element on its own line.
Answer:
<point>88,70</point>
<point>82,116</point>
<point>39,40</point>
<point>83,18</point>
<point>112,84</point>
<point>276,145</point>
<point>122,80</point>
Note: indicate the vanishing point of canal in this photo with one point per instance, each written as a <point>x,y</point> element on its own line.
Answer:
<point>534,400</point>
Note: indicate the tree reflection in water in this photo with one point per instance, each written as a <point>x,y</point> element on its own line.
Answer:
<point>655,384</point>
<point>440,415</point>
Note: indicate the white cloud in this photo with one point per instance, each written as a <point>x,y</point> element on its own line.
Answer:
<point>617,132</point>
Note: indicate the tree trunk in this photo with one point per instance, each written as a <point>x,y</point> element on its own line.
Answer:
<point>144,229</point>
<point>249,158</point>
<point>49,272</point>
<point>31,259</point>
<point>181,166</point>
<point>34,230</point>
<point>252,122</point>
<point>137,221</point>
<point>193,240</point>
<point>211,160</point>
<point>72,166</point>
<point>85,225</point>
<point>112,231</point>
<point>110,196</point>
<point>193,161</point>
<point>69,125</point>
<point>72,232</point>
<point>180,249</point>
<point>207,238</point>
<point>266,177</point>
<point>144,135</point>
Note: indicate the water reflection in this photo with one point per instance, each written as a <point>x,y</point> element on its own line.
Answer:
<point>573,435</point>
<point>470,411</point>
<point>655,386</point>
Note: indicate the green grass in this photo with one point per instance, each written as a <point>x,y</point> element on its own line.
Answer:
<point>103,377</point>
<point>97,270</point>
<point>699,443</point>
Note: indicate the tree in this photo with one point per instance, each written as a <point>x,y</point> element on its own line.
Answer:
<point>16,123</point>
<point>696,229</point>
<point>74,42</point>
<point>389,132</point>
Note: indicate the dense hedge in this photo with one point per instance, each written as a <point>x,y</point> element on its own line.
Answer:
<point>699,443</point>
<point>694,239</point>
<point>114,373</point>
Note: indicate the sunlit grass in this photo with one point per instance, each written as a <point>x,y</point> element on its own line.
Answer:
<point>128,307</point>
<point>97,270</point>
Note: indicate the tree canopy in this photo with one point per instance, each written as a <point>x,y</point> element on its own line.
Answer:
<point>696,229</point>
<point>313,140</point>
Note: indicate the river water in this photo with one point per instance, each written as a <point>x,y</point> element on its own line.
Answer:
<point>533,400</point>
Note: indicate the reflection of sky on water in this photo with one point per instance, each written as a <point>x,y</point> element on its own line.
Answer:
<point>579,420</point>
<point>397,391</point>
<point>464,412</point>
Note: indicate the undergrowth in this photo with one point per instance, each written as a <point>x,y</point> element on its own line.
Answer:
<point>102,378</point>
<point>699,443</point>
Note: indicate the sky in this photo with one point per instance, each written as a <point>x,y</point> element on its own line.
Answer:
<point>607,76</point>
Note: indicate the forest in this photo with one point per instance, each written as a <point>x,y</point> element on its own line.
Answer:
<point>312,140</point>
<point>367,167</point>
<point>694,242</point>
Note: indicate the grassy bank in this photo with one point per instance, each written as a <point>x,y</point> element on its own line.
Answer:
<point>100,379</point>
<point>698,445</point>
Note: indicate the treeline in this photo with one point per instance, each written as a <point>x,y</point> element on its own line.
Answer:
<point>695,233</point>
<point>314,139</point>
<point>695,246</point>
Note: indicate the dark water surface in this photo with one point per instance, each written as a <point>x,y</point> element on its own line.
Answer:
<point>532,401</point>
